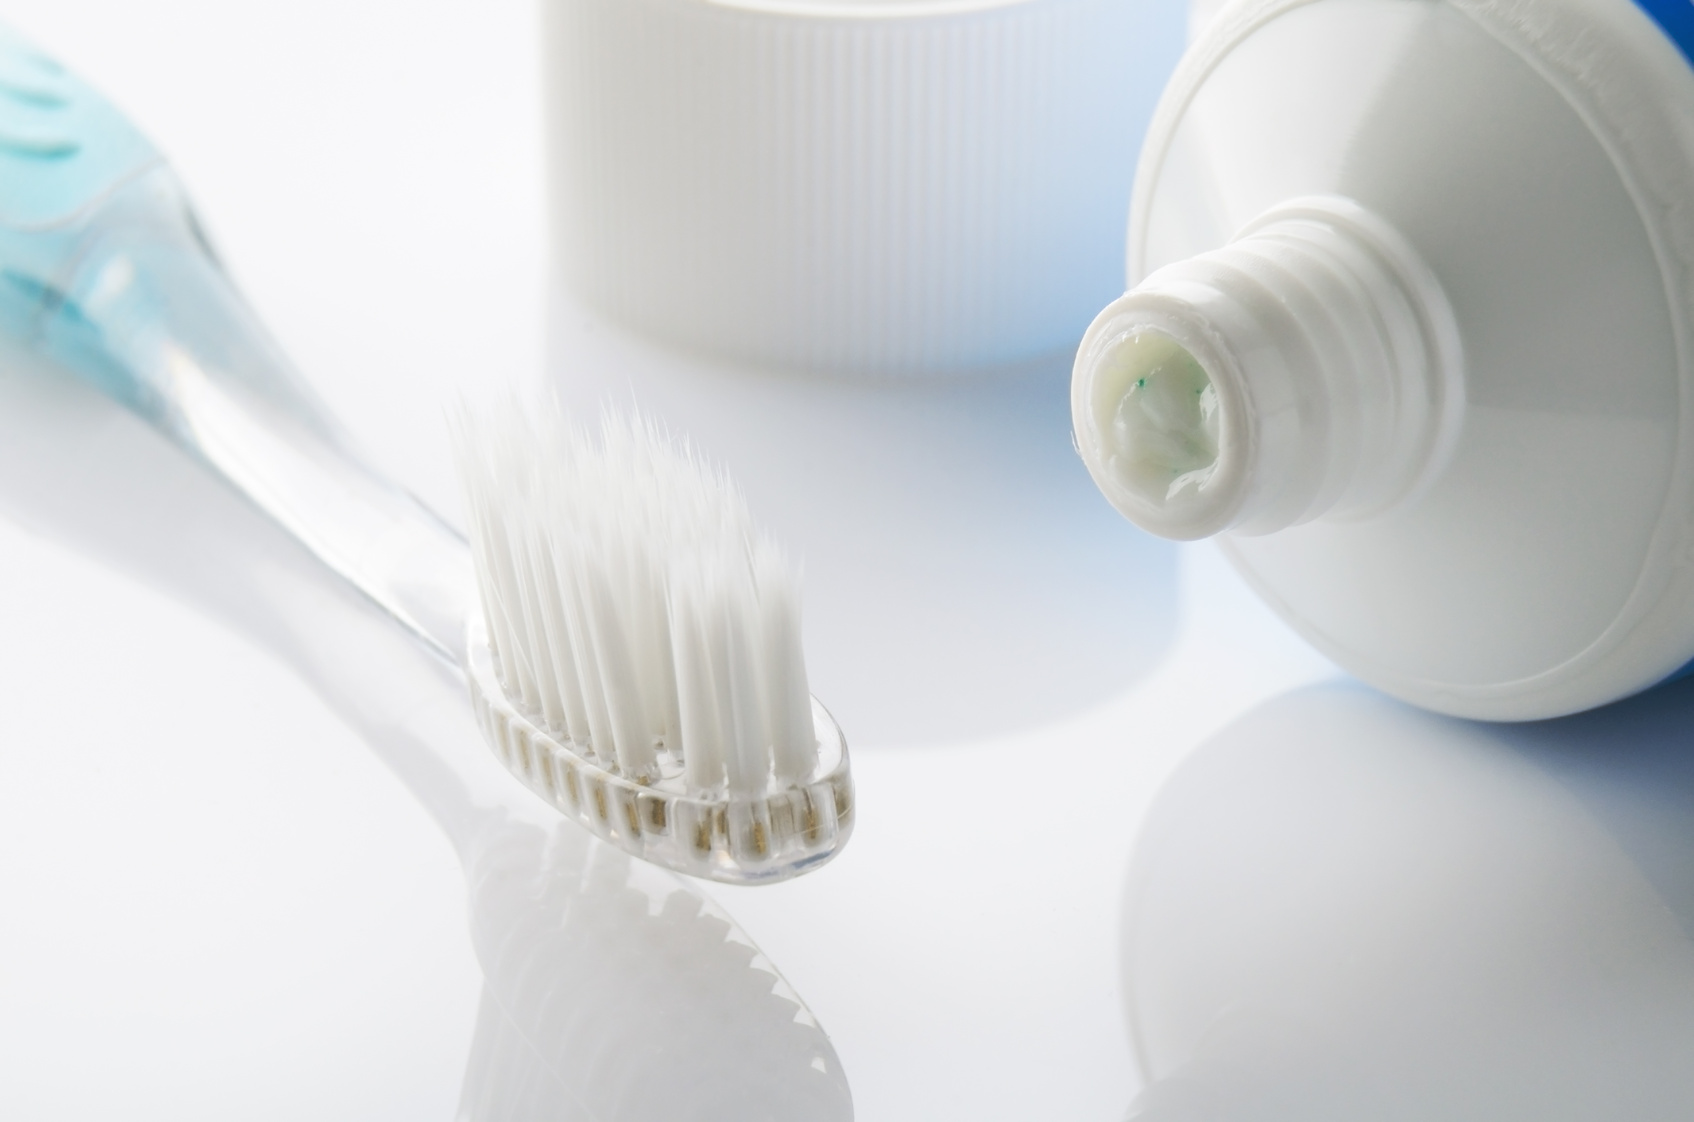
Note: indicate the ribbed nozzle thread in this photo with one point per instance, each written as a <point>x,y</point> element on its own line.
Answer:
<point>1310,368</point>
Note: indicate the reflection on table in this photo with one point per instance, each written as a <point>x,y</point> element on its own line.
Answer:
<point>1342,908</point>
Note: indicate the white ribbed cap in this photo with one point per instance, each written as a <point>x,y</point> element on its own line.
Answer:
<point>875,188</point>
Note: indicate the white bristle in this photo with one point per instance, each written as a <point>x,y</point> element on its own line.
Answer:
<point>631,606</point>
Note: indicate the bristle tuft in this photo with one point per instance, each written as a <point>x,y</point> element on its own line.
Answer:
<point>632,608</point>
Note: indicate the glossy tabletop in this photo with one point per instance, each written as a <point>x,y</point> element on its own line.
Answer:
<point>255,864</point>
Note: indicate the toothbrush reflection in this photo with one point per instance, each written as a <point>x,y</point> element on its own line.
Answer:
<point>1342,908</point>
<point>613,991</point>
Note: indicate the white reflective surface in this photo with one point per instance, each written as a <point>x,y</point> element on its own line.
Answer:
<point>301,936</point>
<point>226,889</point>
<point>1343,908</point>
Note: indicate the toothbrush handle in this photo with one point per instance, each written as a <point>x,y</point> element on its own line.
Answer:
<point>140,307</point>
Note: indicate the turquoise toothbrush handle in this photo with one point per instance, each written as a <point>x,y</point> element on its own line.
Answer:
<point>103,268</point>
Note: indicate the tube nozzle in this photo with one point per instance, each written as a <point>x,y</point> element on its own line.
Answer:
<point>1310,368</point>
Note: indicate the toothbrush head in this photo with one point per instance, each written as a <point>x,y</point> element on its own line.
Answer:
<point>636,659</point>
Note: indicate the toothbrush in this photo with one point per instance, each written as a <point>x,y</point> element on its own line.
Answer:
<point>612,989</point>
<point>706,756</point>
